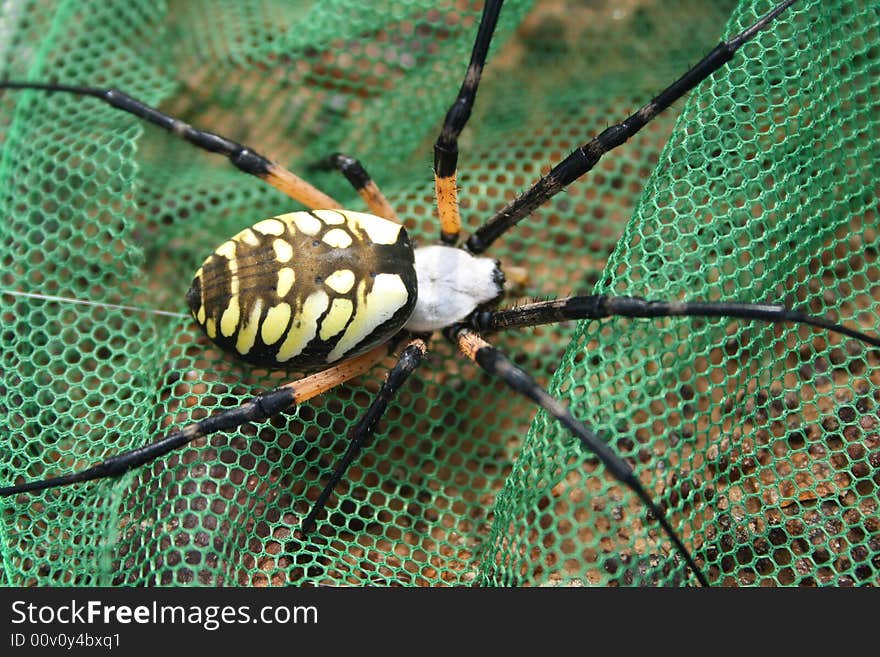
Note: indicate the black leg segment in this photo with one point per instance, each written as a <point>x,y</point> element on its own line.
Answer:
<point>600,306</point>
<point>584,158</point>
<point>243,158</point>
<point>409,359</point>
<point>256,409</point>
<point>497,364</point>
<point>446,147</point>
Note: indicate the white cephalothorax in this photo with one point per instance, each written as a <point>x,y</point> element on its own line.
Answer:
<point>452,283</point>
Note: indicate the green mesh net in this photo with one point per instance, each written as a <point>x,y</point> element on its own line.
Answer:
<point>760,441</point>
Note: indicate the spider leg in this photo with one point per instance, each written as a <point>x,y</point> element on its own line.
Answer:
<point>368,190</point>
<point>409,359</point>
<point>242,157</point>
<point>585,157</point>
<point>599,306</point>
<point>255,409</point>
<point>446,146</point>
<point>497,364</point>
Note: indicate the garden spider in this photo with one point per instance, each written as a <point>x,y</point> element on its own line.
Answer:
<point>414,350</point>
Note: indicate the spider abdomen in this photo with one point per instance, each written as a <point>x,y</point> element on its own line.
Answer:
<point>306,289</point>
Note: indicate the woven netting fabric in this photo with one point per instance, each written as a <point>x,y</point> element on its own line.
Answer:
<point>760,441</point>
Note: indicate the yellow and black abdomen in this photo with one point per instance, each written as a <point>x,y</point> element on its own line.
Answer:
<point>306,289</point>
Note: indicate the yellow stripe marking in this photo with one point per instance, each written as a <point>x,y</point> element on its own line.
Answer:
<point>388,295</point>
<point>233,277</point>
<point>230,317</point>
<point>197,279</point>
<point>275,323</point>
<point>306,223</point>
<point>249,237</point>
<point>211,327</point>
<point>331,217</point>
<point>379,230</point>
<point>337,317</point>
<point>286,279</point>
<point>340,281</point>
<point>226,250</point>
<point>305,326</point>
<point>269,227</point>
<point>247,335</point>
<point>283,250</point>
<point>337,238</point>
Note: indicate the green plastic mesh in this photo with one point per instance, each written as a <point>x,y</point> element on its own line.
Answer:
<point>760,441</point>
